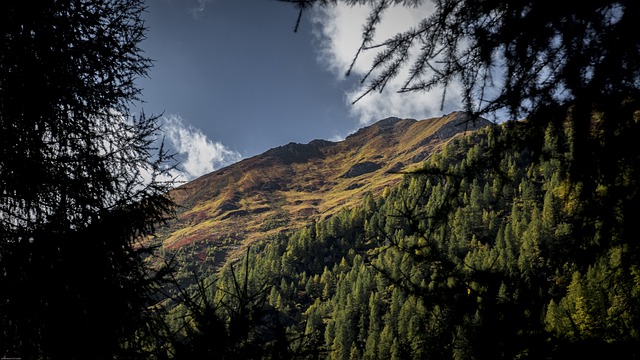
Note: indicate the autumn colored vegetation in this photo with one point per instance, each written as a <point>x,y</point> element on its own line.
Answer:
<point>491,250</point>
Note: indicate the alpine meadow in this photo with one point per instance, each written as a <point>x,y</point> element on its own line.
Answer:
<point>503,230</point>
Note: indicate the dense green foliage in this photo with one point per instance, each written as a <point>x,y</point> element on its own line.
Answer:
<point>493,250</point>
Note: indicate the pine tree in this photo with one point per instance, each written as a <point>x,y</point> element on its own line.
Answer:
<point>78,179</point>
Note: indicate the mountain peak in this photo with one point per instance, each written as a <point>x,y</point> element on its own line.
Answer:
<point>388,122</point>
<point>295,152</point>
<point>288,186</point>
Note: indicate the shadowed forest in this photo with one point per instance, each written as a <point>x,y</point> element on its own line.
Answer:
<point>517,240</point>
<point>489,251</point>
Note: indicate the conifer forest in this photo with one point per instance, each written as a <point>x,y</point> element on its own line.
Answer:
<point>516,239</point>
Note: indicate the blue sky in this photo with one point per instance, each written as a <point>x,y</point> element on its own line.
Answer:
<point>233,80</point>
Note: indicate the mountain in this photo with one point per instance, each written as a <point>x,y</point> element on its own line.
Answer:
<point>287,187</point>
<point>500,248</point>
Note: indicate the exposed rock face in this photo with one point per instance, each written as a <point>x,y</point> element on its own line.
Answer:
<point>236,213</point>
<point>387,129</point>
<point>395,168</point>
<point>361,169</point>
<point>388,123</point>
<point>319,143</point>
<point>228,206</point>
<point>296,153</point>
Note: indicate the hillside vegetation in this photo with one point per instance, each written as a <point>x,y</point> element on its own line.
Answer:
<point>287,187</point>
<point>494,248</point>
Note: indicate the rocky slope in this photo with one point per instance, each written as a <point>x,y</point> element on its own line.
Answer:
<point>289,186</point>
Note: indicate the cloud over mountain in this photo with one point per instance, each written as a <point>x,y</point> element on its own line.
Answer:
<point>197,154</point>
<point>338,32</point>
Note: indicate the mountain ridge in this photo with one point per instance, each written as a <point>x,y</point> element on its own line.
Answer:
<point>291,185</point>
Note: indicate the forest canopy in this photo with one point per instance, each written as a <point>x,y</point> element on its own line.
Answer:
<point>516,241</point>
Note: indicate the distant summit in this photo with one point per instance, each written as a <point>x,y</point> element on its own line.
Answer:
<point>389,123</point>
<point>291,185</point>
<point>388,127</point>
<point>295,153</point>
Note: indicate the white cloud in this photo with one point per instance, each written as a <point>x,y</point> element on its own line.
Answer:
<point>338,31</point>
<point>198,155</point>
<point>338,137</point>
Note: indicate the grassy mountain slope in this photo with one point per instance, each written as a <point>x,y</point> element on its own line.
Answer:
<point>289,186</point>
<point>490,251</point>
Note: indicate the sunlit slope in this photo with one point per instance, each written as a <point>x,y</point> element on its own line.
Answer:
<point>291,185</point>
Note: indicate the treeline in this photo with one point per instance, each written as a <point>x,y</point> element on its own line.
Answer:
<point>495,249</point>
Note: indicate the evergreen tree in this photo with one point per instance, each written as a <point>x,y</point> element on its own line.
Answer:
<point>517,57</point>
<point>78,181</point>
